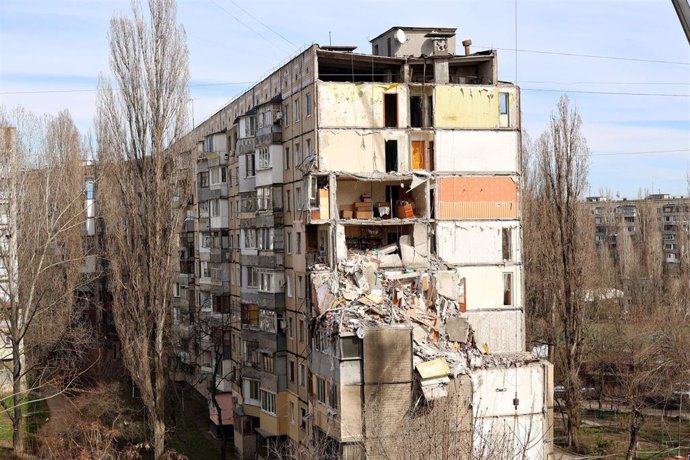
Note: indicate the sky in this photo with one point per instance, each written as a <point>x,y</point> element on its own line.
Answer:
<point>625,64</point>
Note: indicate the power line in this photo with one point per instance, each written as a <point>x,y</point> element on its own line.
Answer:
<point>246,25</point>
<point>648,152</point>
<point>610,93</point>
<point>263,24</point>
<point>687,83</point>
<point>590,56</point>
<point>48,91</point>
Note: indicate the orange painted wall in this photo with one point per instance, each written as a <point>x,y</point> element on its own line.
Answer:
<point>476,198</point>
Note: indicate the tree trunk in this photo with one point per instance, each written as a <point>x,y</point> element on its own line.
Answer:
<point>18,393</point>
<point>634,430</point>
<point>158,436</point>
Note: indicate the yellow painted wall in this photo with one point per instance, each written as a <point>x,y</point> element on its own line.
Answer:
<point>467,106</point>
<point>351,105</point>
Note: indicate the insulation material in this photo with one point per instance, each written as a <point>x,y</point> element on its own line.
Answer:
<point>477,198</point>
<point>466,106</point>
<point>417,155</point>
<point>477,151</point>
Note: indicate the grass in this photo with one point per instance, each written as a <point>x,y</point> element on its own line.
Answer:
<point>606,433</point>
<point>35,413</point>
<point>191,436</point>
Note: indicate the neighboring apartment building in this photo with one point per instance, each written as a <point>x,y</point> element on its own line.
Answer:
<point>671,213</point>
<point>352,255</point>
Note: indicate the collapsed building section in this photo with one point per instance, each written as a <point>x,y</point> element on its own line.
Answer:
<point>374,255</point>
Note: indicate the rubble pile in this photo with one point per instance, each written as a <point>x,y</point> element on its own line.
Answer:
<point>363,293</point>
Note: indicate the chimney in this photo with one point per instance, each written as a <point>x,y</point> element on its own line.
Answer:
<point>466,44</point>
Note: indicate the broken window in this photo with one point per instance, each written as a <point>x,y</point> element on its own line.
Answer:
<point>391,155</point>
<point>287,158</point>
<point>333,396</point>
<point>390,107</point>
<point>250,165</point>
<point>250,314</point>
<point>507,289</point>
<point>416,112</point>
<point>298,243</point>
<point>320,390</point>
<point>203,179</point>
<point>506,244</point>
<point>292,379</point>
<point>350,347</point>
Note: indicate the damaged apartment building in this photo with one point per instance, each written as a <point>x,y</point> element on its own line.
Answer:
<point>354,243</point>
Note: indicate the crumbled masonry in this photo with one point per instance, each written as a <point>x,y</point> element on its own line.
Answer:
<point>361,293</point>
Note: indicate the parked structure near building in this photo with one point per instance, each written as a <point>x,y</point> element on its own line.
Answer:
<point>352,256</point>
<point>612,217</point>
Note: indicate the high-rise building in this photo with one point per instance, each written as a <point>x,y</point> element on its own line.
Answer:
<point>352,257</point>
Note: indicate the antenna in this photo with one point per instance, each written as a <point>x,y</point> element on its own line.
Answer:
<point>329,39</point>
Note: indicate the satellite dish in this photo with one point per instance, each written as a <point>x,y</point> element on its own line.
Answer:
<point>400,36</point>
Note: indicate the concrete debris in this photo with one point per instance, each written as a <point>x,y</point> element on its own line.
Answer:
<point>363,292</point>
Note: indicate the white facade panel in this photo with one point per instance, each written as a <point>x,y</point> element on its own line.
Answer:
<point>484,287</point>
<point>478,242</point>
<point>477,151</point>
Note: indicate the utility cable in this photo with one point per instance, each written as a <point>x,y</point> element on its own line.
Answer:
<point>263,24</point>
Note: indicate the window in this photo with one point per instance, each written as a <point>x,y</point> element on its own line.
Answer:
<point>350,347</point>
<point>267,320</point>
<point>506,244</point>
<point>288,200</point>
<point>264,158</point>
<point>252,389</point>
<point>288,243</point>
<point>333,396</point>
<point>291,327</point>
<point>252,277</point>
<point>303,419</point>
<point>300,286</point>
<point>307,148</point>
<point>215,208</point>
<point>297,111</point>
<point>266,239</point>
<point>203,269</point>
<point>203,179</point>
<point>208,144</point>
<point>299,204</point>
<point>250,314</point>
<point>503,100</point>
<point>292,413</point>
<point>286,114</point>
<point>320,390</point>
<point>298,155</point>
<point>287,158</point>
<point>312,188</point>
<point>249,126</point>
<point>289,286</point>
<point>218,175</point>
<point>263,198</point>
<point>250,166</point>
<point>301,330</point>
<point>507,289</point>
<point>298,243</point>
<point>268,402</point>
<point>390,108</point>
<point>176,290</point>
<point>89,190</point>
<point>267,362</point>
<point>307,104</point>
<point>291,373</point>
<point>302,375</point>
<point>249,238</point>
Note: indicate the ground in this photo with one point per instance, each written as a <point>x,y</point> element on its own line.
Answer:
<point>605,434</point>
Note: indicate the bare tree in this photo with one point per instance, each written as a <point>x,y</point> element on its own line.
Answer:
<point>562,162</point>
<point>40,256</point>
<point>144,176</point>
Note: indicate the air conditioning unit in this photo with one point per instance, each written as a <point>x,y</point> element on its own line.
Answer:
<point>225,156</point>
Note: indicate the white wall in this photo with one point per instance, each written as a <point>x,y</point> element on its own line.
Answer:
<point>497,422</point>
<point>463,242</point>
<point>476,151</point>
<point>484,287</point>
<point>501,331</point>
<point>360,150</point>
